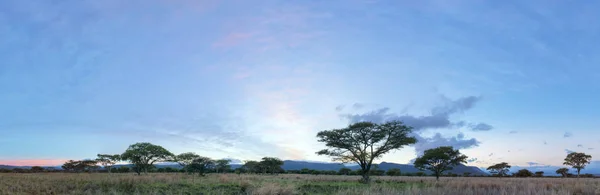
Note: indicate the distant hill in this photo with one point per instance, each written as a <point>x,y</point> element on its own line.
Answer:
<point>404,168</point>
<point>321,166</point>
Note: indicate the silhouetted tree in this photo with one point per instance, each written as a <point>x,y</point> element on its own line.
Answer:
<point>501,169</point>
<point>563,171</point>
<point>270,164</point>
<point>108,160</point>
<point>539,174</point>
<point>251,166</point>
<point>578,161</point>
<point>144,155</point>
<point>524,173</point>
<point>37,169</point>
<point>364,142</point>
<point>439,160</point>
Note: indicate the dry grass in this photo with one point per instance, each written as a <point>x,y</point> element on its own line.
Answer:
<point>171,183</point>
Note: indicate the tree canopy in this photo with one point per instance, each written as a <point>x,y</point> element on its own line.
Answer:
<point>143,155</point>
<point>563,171</point>
<point>201,165</point>
<point>222,165</point>
<point>364,142</point>
<point>524,173</point>
<point>108,160</point>
<point>578,161</point>
<point>501,169</point>
<point>185,159</point>
<point>439,160</point>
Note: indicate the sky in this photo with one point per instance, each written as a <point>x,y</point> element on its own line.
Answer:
<point>503,81</point>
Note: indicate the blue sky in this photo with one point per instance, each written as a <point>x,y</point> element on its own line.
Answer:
<point>506,81</point>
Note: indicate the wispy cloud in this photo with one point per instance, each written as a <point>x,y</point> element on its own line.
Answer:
<point>512,132</point>
<point>567,134</point>
<point>569,151</point>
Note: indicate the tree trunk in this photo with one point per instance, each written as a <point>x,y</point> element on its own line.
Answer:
<point>578,170</point>
<point>365,178</point>
<point>437,176</point>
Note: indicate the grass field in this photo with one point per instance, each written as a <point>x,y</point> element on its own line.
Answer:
<point>171,183</point>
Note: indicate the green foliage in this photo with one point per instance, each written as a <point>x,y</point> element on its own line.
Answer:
<point>393,172</point>
<point>143,155</point>
<point>563,171</point>
<point>80,165</point>
<point>222,166</point>
<point>251,167</point>
<point>523,173</point>
<point>108,160</point>
<point>201,165</point>
<point>539,174</point>
<point>578,161</point>
<point>271,165</point>
<point>364,142</point>
<point>500,169</point>
<point>37,169</point>
<point>439,160</point>
<point>185,159</point>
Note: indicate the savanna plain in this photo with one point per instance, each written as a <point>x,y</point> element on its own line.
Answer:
<point>180,183</point>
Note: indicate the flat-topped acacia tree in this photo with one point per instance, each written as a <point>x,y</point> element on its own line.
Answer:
<point>143,155</point>
<point>578,160</point>
<point>440,159</point>
<point>364,142</point>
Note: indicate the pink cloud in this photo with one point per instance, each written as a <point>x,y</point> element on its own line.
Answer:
<point>32,162</point>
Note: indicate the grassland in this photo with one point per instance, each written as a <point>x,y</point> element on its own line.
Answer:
<point>171,183</point>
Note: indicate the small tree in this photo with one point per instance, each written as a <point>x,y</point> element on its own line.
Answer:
<point>501,169</point>
<point>37,169</point>
<point>344,171</point>
<point>364,142</point>
<point>539,174</point>
<point>108,160</point>
<point>578,161</point>
<point>524,173</point>
<point>201,165</point>
<point>185,159</point>
<point>144,155</point>
<point>439,160</point>
<point>393,172</point>
<point>467,174</point>
<point>563,171</point>
<point>222,165</point>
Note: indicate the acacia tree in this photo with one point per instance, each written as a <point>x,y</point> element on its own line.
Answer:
<point>108,160</point>
<point>578,160</point>
<point>222,165</point>
<point>251,166</point>
<point>563,171</point>
<point>143,156</point>
<point>364,142</point>
<point>439,160</point>
<point>270,164</point>
<point>524,173</point>
<point>201,165</point>
<point>501,169</point>
<point>185,159</point>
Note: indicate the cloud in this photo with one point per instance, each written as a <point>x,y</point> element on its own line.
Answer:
<point>567,134</point>
<point>234,161</point>
<point>357,106</point>
<point>472,160</point>
<point>512,132</point>
<point>440,118</point>
<point>480,127</point>
<point>590,148</point>
<point>457,142</point>
<point>569,151</point>
<point>533,163</point>
<point>339,108</point>
<point>491,154</point>
<point>545,143</point>
<point>579,146</point>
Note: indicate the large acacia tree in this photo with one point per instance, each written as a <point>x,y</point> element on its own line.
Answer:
<point>439,160</point>
<point>185,159</point>
<point>578,160</point>
<point>143,155</point>
<point>364,142</point>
